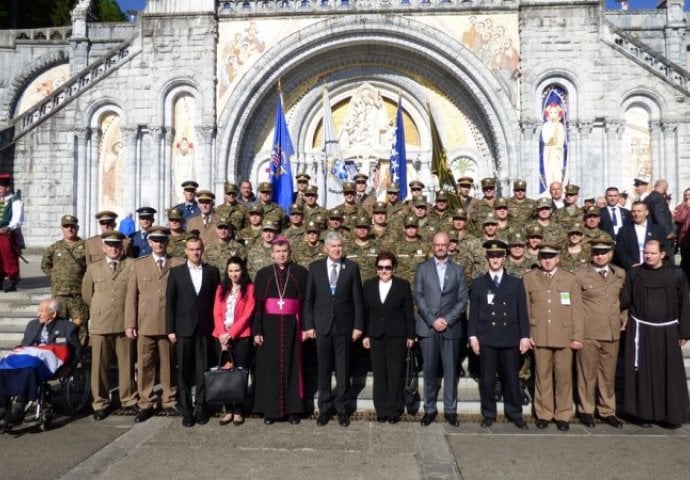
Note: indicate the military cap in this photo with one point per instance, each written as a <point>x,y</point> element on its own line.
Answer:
<point>410,221</point>
<point>223,222</point>
<point>175,214</point>
<point>296,208</point>
<point>159,232</point>
<point>460,213</point>
<point>231,187</point>
<point>534,230</point>
<point>265,187</point>
<point>453,236</point>
<point>362,221</point>
<point>489,219</point>
<point>303,177</point>
<point>146,212</point>
<point>69,220</point>
<point>549,249</point>
<point>591,200</point>
<point>516,238</point>
<point>269,224</point>
<point>113,237</point>
<point>576,228</point>
<point>380,207</point>
<point>416,184</point>
<point>256,208</point>
<point>643,179</point>
<point>419,201</point>
<point>393,188</point>
<point>500,203</point>
<point>349,187</point>
<point>572,189</point>
<point>361,177</point>
<point>335,213</point>
<point>519,185</point>
<point>190,185</point>
<point>313,226</point>
<point>205,196</point>
<point>544,202</point>
<point>311,190</point>
<point>489,182</point>
<point>592,212</point>
<point>494,247</point>
<point>466,181</point>
<point>320,219</point>
<point>442,195</point>
<point>106,215</point>
<point>602,242</point>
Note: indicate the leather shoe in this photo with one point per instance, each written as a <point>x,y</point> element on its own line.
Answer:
<point>294,419</point>
<point>201,418</point>
<point>452,419</point>
<point>486,422</point>
<point>187,421</point>
<point>461,372</point>
<point>381,418</point>
<point>100,414</point>
<point>323,420</point>
<point>428,419</point>
<point>143,415</point>
<point>343,420</point>
<point>269,421</point>
<point>130,410</point>
<point>587,420</point>
<point>562,426</point>
<point>393,420</point>
<point>520,424</point>
<point>542,424</point>
<point>612,421</point>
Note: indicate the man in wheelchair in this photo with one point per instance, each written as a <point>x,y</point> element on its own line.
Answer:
<point>50,348</point>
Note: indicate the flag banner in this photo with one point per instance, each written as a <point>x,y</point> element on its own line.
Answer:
<point>398,163</point>
<point>279,169</point>
<point>337,169</point>
<point>25,368</point>
<point>553,141</point>
<point>439,164</point>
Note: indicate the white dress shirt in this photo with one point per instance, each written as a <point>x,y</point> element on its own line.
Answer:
<point>384,288</point>
<point>195,273</point>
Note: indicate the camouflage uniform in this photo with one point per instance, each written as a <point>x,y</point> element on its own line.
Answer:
<point>409,255</point>
<point>176,245</point>
<point>218,253</point>
<point>273,211</point>
<point>364,256</point>
<point>303,253</point>
<point>311,213</point>
<point>470,255</point>
<point>258,256</point>
<point>521,212</point>
<point>517,268</point>
<point>249,235</point>
<point>294,234</point>
<point>566,216</point>
<point>236,213</point>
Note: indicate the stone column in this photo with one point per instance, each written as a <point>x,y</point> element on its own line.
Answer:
<point>83,137</point>
<point>157,183</point>
<point>530,161</point>
<point>130,137</point>
<point>206,165</point>
<point>669,172</point>
<point>612,157</point>
<point>656,149</point>
<point>91,183</point>
<point>166,175</point>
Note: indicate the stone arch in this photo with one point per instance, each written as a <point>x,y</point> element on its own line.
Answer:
<point>402,44</point>
<point>566,81</point>
<point>645,99</point>
<point>172,89</point>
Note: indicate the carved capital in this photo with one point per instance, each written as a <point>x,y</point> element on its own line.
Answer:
<point>129,134</point>
<point>206,133</point>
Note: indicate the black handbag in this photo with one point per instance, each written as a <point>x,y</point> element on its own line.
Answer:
<point>411,392</point>
<point>226,385</point>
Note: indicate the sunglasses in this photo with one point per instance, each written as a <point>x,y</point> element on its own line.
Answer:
<point>106,222</point>
<point>519,190</point>
<point>386,268</point>
<point>416,189</point>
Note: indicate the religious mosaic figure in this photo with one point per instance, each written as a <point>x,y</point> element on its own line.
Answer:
<point>184,144</point>
<point>111,161</point>
<point>554,139</point>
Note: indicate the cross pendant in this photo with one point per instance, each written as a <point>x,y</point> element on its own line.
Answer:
<point>281,302</point>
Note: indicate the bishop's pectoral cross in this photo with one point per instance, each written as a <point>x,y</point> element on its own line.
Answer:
<point>281,302</point>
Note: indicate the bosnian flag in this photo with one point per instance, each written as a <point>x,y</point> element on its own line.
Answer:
<point>44,359</point>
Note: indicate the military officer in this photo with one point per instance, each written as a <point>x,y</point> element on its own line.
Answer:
<point>520,207</point>
<point>295,231</point>
<point>178,236</point>
<point>363,249</point>
<point>379,226</point>
<point>259,254</point>
<point>470,252</point>
<point>189,207</point>
<point>205,222</point>
<point>427,228</point>
<point>310,248</point>
<point>216,253</point>
<point>252,232</point>
<point>140,238</point>
<point>232,209</point>
<point>272,211</point>
<point>480,208</point>
<point>535,237</point>
<point>551,230</point>
<point>349,207</point>
<point>416,191</point>
<point>302,180</point>
<point>336,224</point>
<point>592,219</point>
<point>465,184</point>
<point>411,250</point>
<point>441,213</point>
<point>364,199</point>
<point>502,216</point>
<point>311,208</point>
<point>570,213</point>
<point>395,208</point>
<point>94,245</point>
<point>576,252</point>
<point>516,263</point>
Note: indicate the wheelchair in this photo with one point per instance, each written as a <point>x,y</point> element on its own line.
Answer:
<point>66,392</point>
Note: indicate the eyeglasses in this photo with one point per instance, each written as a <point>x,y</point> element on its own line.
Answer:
<point>385,268</point>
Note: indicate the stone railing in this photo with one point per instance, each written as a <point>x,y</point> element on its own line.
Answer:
<point>74,87</point>
<point>259,7</point>
<point>654,62</point>
<point>50,34</point>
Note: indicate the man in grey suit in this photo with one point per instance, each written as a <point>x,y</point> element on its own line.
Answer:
<point>441,296</point>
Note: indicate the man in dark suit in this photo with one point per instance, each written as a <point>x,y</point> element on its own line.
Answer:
<point>441,296</point>
<point>189,326</point>
<point>660,214</point>
<point>631,238</point>
<point>498,331</point>
<point>334,315</point>
<point>613,216</point>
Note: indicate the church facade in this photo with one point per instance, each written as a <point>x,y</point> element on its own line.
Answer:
<point>116,116</point>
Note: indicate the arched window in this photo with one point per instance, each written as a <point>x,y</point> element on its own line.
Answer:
<point>553,140</point>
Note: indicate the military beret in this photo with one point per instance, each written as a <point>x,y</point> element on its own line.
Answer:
<point>303,177</point>
<point>265,187</point>
<point>223,222</point>
<point>190,185</point>
<point>335,213</point>
<point>256,208</point>
<point>544,202</point>
<point>466,181</point>
<point>490,219</point>
<point>380,207</point>
<point>410,221</point>
<point>572,189</point>
<point>349,187</point>
<point>416,184</point>
<point>489,182</point>
<point>146,212</point>
<point>500,203</point>
<point>312,190</point>
<point>205,196</point>
<point>231,187</point>
<point>269,224</point>
<point>495,246</point>
<point>159,232</point>
<point>519,185</point>
<point>313,226</point>
<point>592,212</point>
<point>602,242</point>
<point>576,228</point>
<point>549,249</point>
<point>175,214</point>
<point>113,237</point>
<point>106,215</point>
<point>360,177</point>
<point>69,220</point>
<point>534,230</point>
<point>442,195</point>
<point>362,221</point>
<point>393,188</point>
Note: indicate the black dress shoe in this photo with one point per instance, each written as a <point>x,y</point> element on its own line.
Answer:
<point>612,421</point>
<point>201,418</point>
<point>344,420</point>
<point>171,411</point>
<point>562,426</point>
<point>486,422</point>
<point>542,424</point>
<point>461,372</point>
<point>381,418</point>
<point>143,415</point>
<point>452,419</point>
<point>11,286</point>
<point>428,419</point>
<point>187,421</point>
<point>587,420</point>
<point>131,410</point>
<point>294,419</point>
<point>520,424</point>
<point>269,421</point>
<point>100,414</point>
<point>323,419</point>
<point>394,419</point>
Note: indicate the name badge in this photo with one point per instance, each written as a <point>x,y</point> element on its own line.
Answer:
<point>565,298</point>
<point>60,340</point>
<point>490,298</point>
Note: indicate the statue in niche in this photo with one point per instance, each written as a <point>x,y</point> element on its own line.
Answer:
<point>111,161</point>
<point>183,146</point>
<point>367,125</point>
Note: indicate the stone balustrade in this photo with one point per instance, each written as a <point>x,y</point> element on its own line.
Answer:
<point>49,34</point>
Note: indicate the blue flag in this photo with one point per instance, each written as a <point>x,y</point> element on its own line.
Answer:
<point>280,170</point>
<point>398,156</point>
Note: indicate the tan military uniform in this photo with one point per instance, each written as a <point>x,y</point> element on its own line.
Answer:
<point>94,249</point>
<point>206,228</point>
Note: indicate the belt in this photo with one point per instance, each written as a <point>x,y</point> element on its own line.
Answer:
<point>639,322</point>
<point>283,306</point>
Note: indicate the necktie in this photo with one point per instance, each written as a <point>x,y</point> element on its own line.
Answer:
<point>602,272</point>
<point>205,220</point>
<point>496,282</point>
<point>44,335</point>
<point>160,264</point>
<point>614,221</point>
<point>333,278</point>
<point>113,266</point>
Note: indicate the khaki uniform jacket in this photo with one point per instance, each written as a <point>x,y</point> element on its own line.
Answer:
<point>145,301</point>
<point>600,300</point>
<point>206,232</point>
<point>554,323</point>
<point>94,249</point>
<point>104,292</point>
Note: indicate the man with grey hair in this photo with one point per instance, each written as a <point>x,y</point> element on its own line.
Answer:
<point>334,316</point>
<point>660,213</point>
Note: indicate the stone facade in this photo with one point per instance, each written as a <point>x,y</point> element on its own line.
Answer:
<point>196,81</point>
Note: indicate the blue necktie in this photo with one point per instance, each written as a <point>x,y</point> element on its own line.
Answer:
<point>496,282</point>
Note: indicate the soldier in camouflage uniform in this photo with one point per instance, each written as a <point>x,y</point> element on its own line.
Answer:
<point>335,224</point>
<point>349,207</point>
<point>521,208</point>
<point>501,213</point>
<point>551,230</point>
<point>252,232</point>
<point>231,209</point>
<point>395,208</point>
<point>570,213</point>
<point>576,252</point>
<point>302,180</point>
<point>311,208</point>
<point>217,253</point>
<point>94,245</point>
<point>364,200</point>
<point>410,251</point>
<point>535,237</point>
<point>363,249</point>
<point>259,254</point>
<point>465,185</point>
<point>427,229</point>
<point>295,231</point>
<point>272,211</point>
<point>178,236</point>
<point>591,227</point>
<point>310,248</point>
<point>379,228</point>
<point>441,213</point>
<point>470,252</point>
<point>516,262</point>
<point>64,262</point>
<point>480,208</point>
<point>416,191</point>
